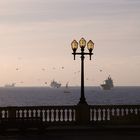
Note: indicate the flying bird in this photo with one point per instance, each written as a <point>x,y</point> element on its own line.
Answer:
<point>43,69</point>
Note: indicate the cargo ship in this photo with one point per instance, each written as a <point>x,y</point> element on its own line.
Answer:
<point>108,84</point>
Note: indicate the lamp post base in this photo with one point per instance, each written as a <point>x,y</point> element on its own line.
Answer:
<point>82,102</point>
<point>82,113</point>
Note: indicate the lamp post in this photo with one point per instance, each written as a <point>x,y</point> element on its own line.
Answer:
<point>82,45</point>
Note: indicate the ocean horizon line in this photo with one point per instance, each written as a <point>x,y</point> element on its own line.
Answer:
<point>69,86</point>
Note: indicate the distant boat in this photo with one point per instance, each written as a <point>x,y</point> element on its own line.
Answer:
<point>9,85</point>
<point>67,84</point>
<point>55,84</point>
<point>67,89</point>
<point>108,84</point>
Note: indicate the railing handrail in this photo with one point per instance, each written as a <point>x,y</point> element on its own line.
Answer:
<point>114,106</point>
<point>50,106</point>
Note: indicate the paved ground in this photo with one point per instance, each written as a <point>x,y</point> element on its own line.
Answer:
<point>79,133</point>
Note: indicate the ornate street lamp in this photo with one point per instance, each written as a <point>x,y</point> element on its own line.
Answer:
<point>82,45</point>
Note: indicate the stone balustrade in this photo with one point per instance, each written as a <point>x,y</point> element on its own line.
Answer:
<point>117,114</point>
<point>78,114</point>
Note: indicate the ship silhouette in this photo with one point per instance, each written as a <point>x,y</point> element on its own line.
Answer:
<point>55,84</point>
<point>10,85</point>
<point>108,84</point>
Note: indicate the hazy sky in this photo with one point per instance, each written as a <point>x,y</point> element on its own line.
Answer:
<point>35,39</point>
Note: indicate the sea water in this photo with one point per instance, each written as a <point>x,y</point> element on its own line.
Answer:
<point>41,96</point>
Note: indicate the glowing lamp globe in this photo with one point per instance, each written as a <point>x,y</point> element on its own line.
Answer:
<point>82,43</point>
<point>90,46</point>
<point>74,45</point>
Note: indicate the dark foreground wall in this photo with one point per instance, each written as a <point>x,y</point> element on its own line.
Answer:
<point>81,122</point>
<point>76,134</point>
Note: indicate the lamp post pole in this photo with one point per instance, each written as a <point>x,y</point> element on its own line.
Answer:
<point>82,98</point>
<point>90,46</point>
